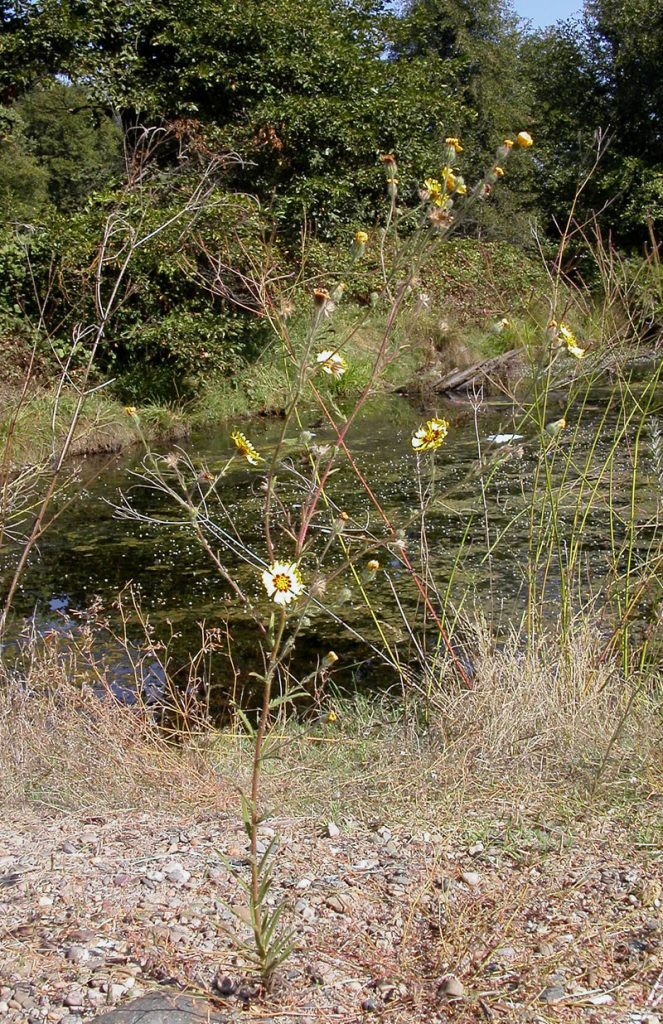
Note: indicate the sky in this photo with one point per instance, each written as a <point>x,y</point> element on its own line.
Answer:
<point>546,12</point>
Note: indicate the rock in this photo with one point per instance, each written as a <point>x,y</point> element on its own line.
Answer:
<point>601,999</point>
<point>176,873</point>
<point>451,987</point>
<point>471,877</point>
<point>163,1008</point>
<point>77,954</point>
<point>74,999</point>
<point>224,985</point>
<point>476,848</point>
<point>68,847</point>
<point>46,901</point>
<point>24,1000</point>
<point>553,994</point>
<point>370,1005</point>
<point>340,903</point>
<point>333,830</point>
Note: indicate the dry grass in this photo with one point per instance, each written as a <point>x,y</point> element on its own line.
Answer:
<point>538,735</point>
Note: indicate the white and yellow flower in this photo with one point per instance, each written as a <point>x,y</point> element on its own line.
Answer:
<point>524,140</point>
<point>283,582</point>
<point>332,363</point>
<point>245,448</point>
<point>430,435</point>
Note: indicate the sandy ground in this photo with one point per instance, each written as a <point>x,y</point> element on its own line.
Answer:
<point>394,926</point>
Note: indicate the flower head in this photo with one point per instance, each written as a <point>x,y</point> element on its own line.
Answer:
<point>461,187</point>
<point>283,582</point>
<point>332,717</point>
<point>508,143</point>
<point>432,185</point>
<point>498,171</point>
<point>454,144</point>
<point>131,410</point>
<point>576,351</point>
<point>245,448</point>
<point>440,218</point>
<point>389,161</point>
<point>449,178</point>
<point>556,426</point>
<point>430,435</point>
<point>332,363</point>
<point>524,139</point>
<point>321,296</point>
<point>373,565</point>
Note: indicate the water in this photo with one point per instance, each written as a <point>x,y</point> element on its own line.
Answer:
<point>90,555</point>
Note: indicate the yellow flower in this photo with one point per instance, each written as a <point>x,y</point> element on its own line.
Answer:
<point>454,143</point>
<point>430,435</point>
<point>524,139</point>
<point>131,410</point>
<point>283,582</point>
<point>330,658</point>
<point>245,448</point>
<point>361,237</point>
<point>566,333</point>
<point>332,363</point>
<point>576,351</point>
<point>461,189</point>
<point>499,171</point>
<point>449,178</point>
<point>373,565</point>
<point>432,185</point>
<point>332,717</point>
<point>508,143</point>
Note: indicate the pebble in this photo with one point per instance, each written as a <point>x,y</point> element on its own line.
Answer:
<point>176,873</point>
<point>476,848</point>
<point>333,830</point>
<point>340,903</point>
<point>451,987</point>
<point>601,999</point>
<point>552,994</point>
<point>77,954</point>
<point>471,877</point>
<point>74,998</point>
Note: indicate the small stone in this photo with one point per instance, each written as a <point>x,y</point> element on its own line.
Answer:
<point>601,999</point>
<point>115,992</point>
<point>370,1005</point>
<point>476,848</point>
<point>75,999</point>
<point>304,883</point>
<point>46,901</point>
<point>471,877</point>
<point>176,873</point>
<point>224,985</point>
<point>68,847</point>
<point>553,994</point>
<point>300,906</point>
<point>545,949</point>
<point>340,903</point>
<point>4,1007</point>
<point>451,987</point>
<point>333,830</point>
<point>77,954</point>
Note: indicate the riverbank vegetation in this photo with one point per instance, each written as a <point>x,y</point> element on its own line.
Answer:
<point>216,216</point>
